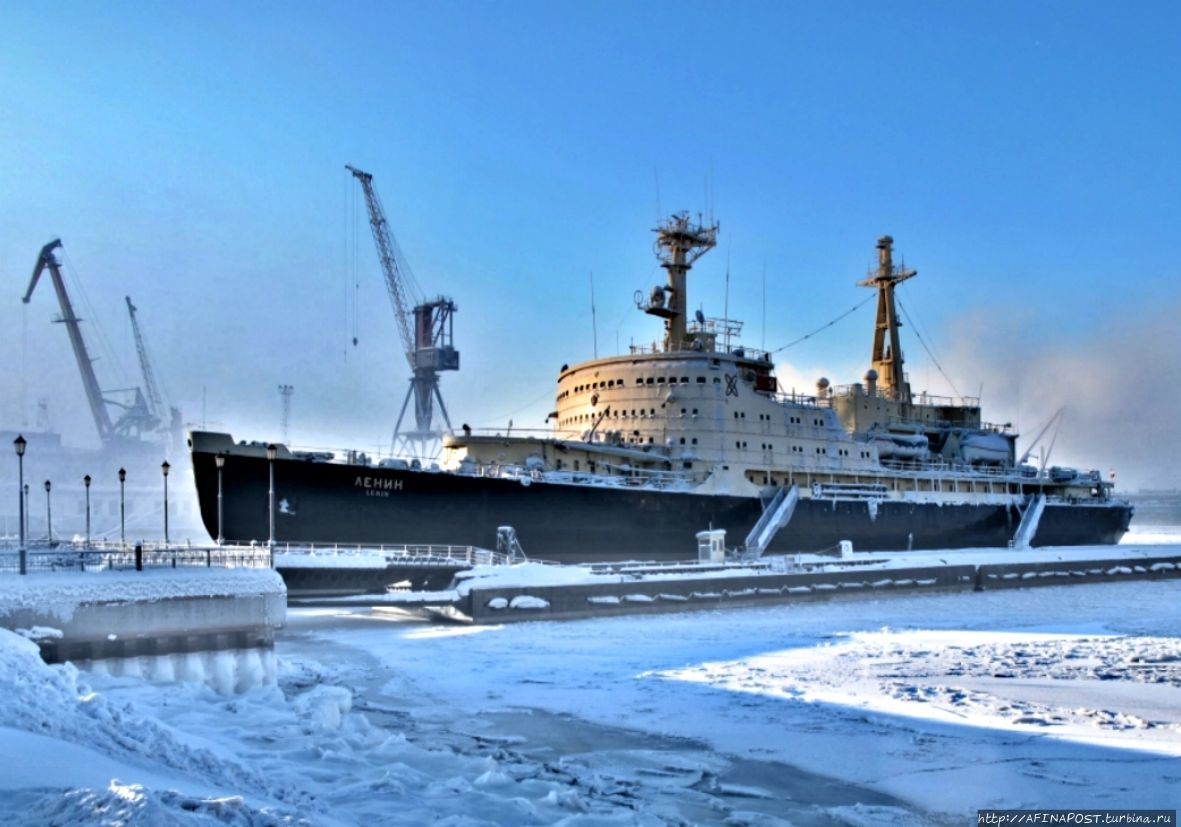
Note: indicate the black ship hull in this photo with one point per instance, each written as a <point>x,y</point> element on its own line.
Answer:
<point>333,503</point>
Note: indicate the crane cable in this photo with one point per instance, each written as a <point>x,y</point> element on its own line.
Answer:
<point>352,284</point>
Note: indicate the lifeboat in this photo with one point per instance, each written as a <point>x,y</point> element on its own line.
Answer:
<point>901,446</point>
<point>984,449</point>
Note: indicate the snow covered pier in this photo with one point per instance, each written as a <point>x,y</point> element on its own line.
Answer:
<point>124,613</point>
<point>536,591</point>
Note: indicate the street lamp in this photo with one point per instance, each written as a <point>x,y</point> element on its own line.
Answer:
<point>19,443</point>
<point>86,482</point>
<point>48,512</point>
<point>26,502</point>
<point>122,510</point>
<point>164,466</point>
<point>220,459</point>
<point>271,449</point>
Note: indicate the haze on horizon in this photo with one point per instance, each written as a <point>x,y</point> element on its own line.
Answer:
<point>192,157</point>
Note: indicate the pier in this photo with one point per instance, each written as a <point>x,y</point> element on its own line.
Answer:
<point>540,592</point>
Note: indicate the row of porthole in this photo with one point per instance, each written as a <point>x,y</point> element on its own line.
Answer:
<point>640,380</point>
<point>799,449</point>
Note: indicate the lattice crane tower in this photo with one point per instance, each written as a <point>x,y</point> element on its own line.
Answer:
<point>426,331</point>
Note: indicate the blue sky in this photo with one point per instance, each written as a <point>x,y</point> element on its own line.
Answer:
<point>1023,155</point>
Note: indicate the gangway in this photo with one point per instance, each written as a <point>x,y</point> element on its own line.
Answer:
<point>1029,522</point>
<point>776,515</point>
<point>508,546</point>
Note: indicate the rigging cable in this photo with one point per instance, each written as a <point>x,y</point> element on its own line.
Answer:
<point>848,312</point>
<point>923,342</point>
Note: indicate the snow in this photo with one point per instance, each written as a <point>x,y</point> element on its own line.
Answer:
<point>63,592</point>
<point>908,710</point>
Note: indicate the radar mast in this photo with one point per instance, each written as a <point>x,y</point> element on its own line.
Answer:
<point>679,243</point>
<point>887,352</point>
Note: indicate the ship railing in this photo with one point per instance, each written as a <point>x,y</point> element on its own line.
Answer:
<point>1024,474</point>
<point>959,470</point>
<point>396,554</point>
<point>709,344</point>
<point>796,398</point>
<point>623,478</point>
<point>923,398</point>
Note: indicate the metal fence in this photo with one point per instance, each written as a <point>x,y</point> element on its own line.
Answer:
<point>118,557</point>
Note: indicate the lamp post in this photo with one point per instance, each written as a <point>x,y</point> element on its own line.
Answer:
<point>19,443</point>
<point>220,459</point>
<point>122,511</point>
<point>86,482</point>
<point>26,517</point>
<point>164,466</point>
<point>48,512</point>
<point>271,449</point>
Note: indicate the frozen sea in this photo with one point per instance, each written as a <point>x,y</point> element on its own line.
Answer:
<point>908,710</point>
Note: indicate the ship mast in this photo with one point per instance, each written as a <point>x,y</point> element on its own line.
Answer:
<point>679,243</point>
<point>887,352</point>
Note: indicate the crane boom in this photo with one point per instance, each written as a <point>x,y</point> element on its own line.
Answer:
<point>94,395</point>
<point>394,281</point>
<point>155,402</point>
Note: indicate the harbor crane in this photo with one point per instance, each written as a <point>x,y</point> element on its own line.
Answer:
<point>136,418</point>
<point>426,331</point>
<point>162,413</point>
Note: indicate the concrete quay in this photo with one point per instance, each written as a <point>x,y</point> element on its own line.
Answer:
<point>82,616</point>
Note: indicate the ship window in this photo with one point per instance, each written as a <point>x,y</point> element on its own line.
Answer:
<point>717,380</point>
<point>695,412</point>
<point>682,440</point>
<point>688,466</point>
<point>650,380</point>
<point>694,442</point>
<point>684,380</point>
<point>700,380</point>
<point>659,380</point>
